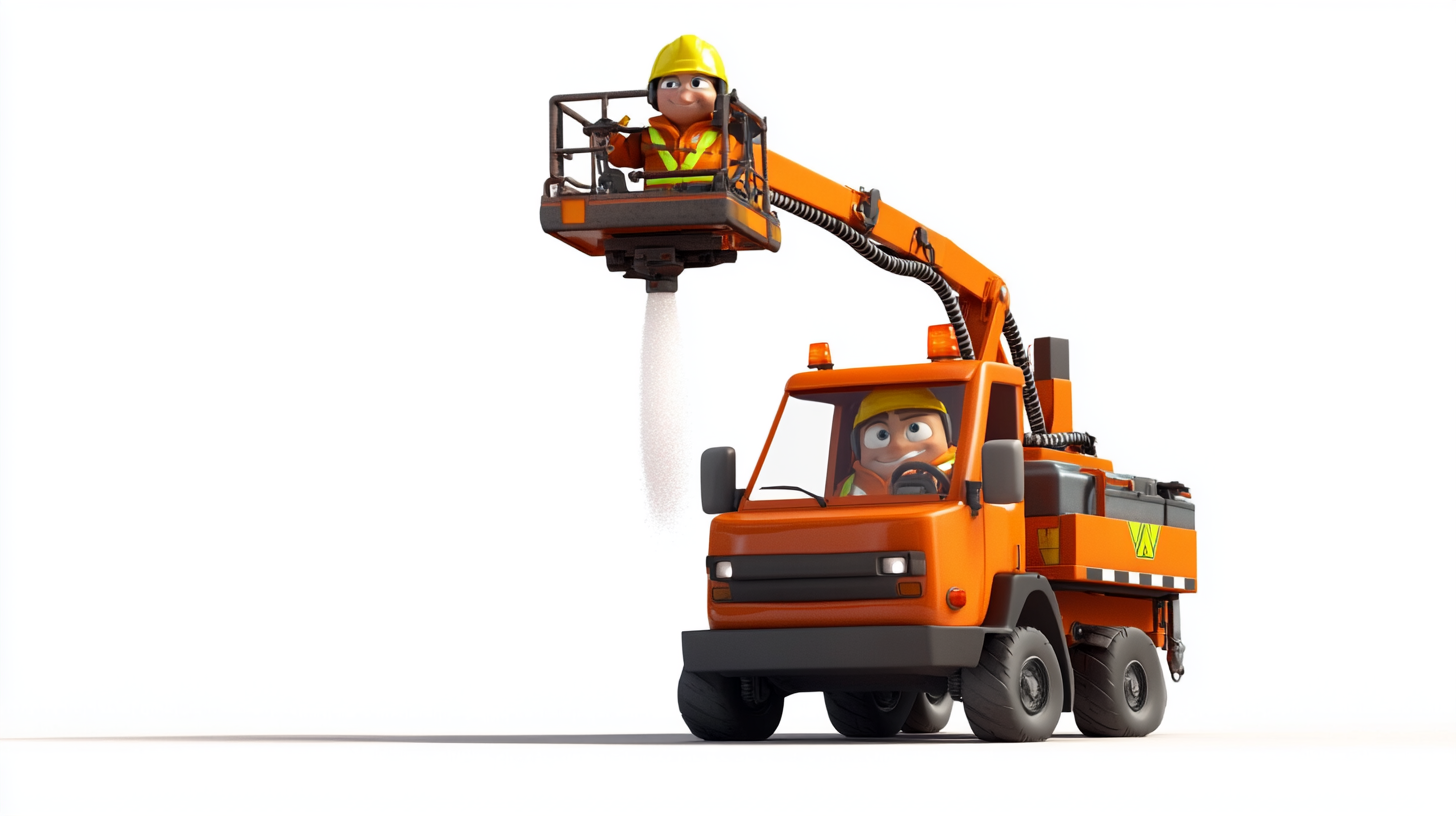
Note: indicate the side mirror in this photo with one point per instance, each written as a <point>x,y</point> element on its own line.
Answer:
<point>1003,471</point>
<point>719,472</point>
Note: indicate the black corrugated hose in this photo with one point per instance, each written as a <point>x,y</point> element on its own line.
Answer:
<point>1038,438</point>
<point>1087,441</point>
<point>900,266</point>
<point>1028,392</point>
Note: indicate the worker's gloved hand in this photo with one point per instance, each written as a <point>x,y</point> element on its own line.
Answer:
<point>600,127</point>
<point>605,126</point>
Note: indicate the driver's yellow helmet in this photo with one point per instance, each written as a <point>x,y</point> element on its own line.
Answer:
<point>884,400</point>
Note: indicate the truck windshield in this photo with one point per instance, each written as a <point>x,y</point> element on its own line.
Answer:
<point>854,446</point>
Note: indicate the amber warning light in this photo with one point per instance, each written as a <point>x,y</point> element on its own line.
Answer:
<point>940,343</point>
<point>819,358</point>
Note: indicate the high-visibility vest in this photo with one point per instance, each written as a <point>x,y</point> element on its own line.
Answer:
<point>705,141</point>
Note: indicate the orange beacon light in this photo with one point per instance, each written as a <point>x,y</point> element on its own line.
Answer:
<point>819,358</point>
<point>940,343</point>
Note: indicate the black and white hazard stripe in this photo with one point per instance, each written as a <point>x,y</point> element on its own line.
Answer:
<point>1147,579</point>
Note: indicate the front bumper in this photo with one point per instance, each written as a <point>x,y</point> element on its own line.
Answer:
<point>861,651</point>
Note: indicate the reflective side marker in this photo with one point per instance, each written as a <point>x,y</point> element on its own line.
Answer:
<point>955,597</point>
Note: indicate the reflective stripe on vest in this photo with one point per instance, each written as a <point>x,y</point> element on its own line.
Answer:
<point>705,141</point>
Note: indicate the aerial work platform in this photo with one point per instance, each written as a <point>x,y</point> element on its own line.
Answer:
<point>656,232</point>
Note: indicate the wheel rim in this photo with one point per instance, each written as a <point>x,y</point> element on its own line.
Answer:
<point>1135,686</point>
<point>886,700</point>
<point>1033,685</point>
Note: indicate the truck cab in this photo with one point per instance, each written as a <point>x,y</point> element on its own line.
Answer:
<point>928,524</point>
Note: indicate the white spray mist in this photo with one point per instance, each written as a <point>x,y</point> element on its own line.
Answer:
<point>664,453</point>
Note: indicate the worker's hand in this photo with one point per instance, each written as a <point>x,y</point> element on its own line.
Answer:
<point>603,127</point>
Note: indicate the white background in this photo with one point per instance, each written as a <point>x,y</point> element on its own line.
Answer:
<point>306,428</point>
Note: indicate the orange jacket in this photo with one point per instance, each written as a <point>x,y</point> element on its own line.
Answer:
<point>864,479</point>
<point>874,485</point>
<point>637,150</point>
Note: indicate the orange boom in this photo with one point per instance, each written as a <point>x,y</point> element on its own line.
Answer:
<point>910,535</point>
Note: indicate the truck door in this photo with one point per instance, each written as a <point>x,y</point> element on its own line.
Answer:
<point>1003,524</point>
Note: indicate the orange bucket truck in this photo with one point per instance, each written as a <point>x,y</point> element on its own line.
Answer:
<point>910,535</point>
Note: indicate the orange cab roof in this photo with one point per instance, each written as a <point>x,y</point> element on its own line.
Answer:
<point>949,371</point>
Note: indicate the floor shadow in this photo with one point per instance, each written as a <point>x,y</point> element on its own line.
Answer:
<point>539,739</point>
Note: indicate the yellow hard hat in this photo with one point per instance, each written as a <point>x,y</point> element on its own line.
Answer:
<point>884,400</point>
<point>688,55</point>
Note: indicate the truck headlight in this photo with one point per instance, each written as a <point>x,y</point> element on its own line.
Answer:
<point>892,566</point>
<point>723,570</point>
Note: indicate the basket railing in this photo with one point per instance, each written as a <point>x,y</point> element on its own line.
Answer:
<point>745,176</point>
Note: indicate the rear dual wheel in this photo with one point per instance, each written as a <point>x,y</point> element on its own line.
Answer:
<point>870,713</point>
<point>930,713</point>
<point>1120,691</point>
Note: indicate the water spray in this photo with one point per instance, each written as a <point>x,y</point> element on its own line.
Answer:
<point>664,451</point>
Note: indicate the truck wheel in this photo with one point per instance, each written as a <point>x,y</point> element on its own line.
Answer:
<point>714,709</point>
<point>868,714</point>
<point>1015,693</point>
<point>929,714</point>
<point>1120,691</point>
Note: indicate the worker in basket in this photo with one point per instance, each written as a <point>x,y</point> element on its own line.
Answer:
<point>687,79</point>
<point>901,443</point>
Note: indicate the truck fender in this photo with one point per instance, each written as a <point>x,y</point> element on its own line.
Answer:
<point>1025,599</point>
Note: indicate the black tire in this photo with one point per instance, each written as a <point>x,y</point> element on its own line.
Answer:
<point>713,707</point>
<point>1015,693</point>
<point>929,714</point>
<point>1120,690</point>
<point>869,714</point>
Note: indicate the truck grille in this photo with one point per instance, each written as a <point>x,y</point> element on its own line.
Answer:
<point>822,577</point>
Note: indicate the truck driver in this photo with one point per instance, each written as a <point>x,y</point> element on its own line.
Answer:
<point>895,426</point>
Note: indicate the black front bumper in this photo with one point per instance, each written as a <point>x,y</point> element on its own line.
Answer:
<point>850,651</point>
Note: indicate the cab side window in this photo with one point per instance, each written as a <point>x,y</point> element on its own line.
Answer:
<point>1003,418</point>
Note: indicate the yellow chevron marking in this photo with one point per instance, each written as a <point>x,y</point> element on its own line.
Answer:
<point>1144,538</point>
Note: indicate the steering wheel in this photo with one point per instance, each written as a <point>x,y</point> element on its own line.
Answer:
<point>923,475</point>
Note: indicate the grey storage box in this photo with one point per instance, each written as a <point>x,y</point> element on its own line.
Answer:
<point>1058,488</point>
<point>1180,514</point>
<point>1131,505</point>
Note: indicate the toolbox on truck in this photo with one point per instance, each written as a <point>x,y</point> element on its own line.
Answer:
<point>1134,505</point>
<point>1058,488</point>
<point>1179,513</point>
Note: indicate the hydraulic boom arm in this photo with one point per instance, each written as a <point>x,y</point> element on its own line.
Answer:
<point>655,236</point>
<point>982,294</point>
